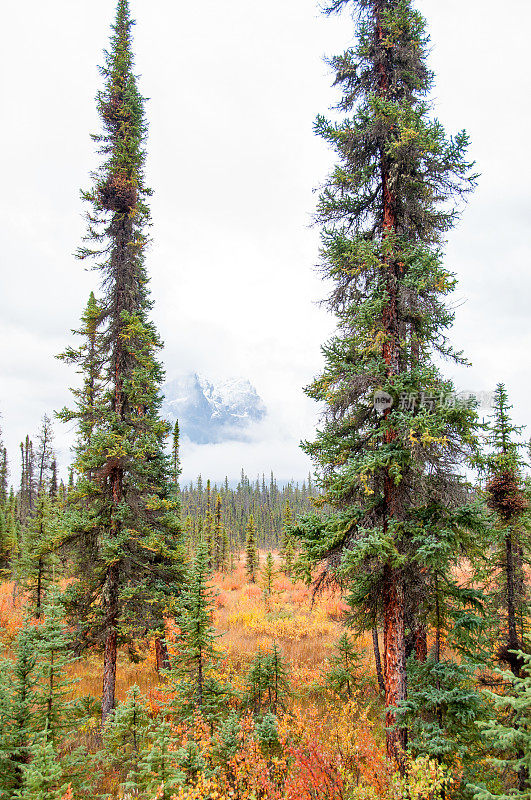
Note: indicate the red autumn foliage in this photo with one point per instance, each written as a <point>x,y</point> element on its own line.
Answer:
<point>504,495</point>
<point>314,775</point>
<point>118,193</point>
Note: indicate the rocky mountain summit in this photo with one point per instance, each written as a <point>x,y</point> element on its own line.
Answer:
<point>212,412</point>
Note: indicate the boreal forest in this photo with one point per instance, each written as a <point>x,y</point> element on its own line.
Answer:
<point>358,633</point>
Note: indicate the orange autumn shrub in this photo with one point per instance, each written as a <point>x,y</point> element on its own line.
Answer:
<point>11,611</point>
<point>300,596</point>
<point>253,590</point>
<point>282,584</point>
<point>314,775</point>
<point>221,599</point>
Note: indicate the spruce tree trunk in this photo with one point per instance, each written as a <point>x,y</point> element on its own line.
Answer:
<point>109,675</point>
<point>123,299</point>
<point>200,679</point>
<point>512,632</point>
<point>378,660</point>
<point>49,702</point>
<point>394,662</point>
<point>523,776</point>
<point>111,646</point>
<point>39,587</point>
<point>421,642</point>
<point>393,590</point>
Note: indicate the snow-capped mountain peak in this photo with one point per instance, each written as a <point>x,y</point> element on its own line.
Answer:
<point>211,412</point>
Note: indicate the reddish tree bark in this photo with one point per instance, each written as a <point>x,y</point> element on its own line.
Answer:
<point>513,642</point>
<point>109,675</point>
<point>378,660</point>
<point>421,642</point>
<point>394,661</point>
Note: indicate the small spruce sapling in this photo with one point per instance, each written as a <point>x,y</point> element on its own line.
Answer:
<point>252,561</point>
<point>508,737</point>
<point>343,675</point>
<point>43,777</point>
<point>268,576</point>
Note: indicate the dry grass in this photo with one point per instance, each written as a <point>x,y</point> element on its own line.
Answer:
<point>306,633</point>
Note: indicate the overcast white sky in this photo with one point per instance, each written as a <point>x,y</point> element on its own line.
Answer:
<point>234,88</point>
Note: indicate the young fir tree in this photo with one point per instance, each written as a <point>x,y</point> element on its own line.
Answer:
<point>129,565</point>
<point>53,646</point>
<point>195,652</point>
<point>267,682</point>
<point>266,733</point>
<point>191,761</point>
<point>509,736</point>
<point>53,489</point>
<point>505,496</point>
<point>343,674</point>
<point>27,479</point>
<point>10,771</point>
<point>5,549</point>
<point>44,456</point>
<point>37,556</point>
<point>268,576</point>
<point>4,476</point>
<point>4,472</point>
<point>384,211</point>
<point>39,538</point>
<point>6,543</point>
<point>43,777</point>
<point>442,712</point>
<point>158,773</point>
<point>208,526</point>
<point>18,700</point>
<point>228,739</point>
<point>125,735</point>
<point>252,561</point>
<point>10,536</point>
<point>218,554</point>
<point>287,548</point>
<point>227,551</point>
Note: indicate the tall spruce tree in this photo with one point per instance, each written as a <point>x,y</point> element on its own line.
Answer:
<point>39,536</point>
<point>4,472</point>
<point>8,539</point>
<point>176,452</point>
<point>287,546</point>
<point>505,496</point>
<point>126,510</point>
<point>384,210</point>
<point>218,554</point>
<point>27,479</point>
